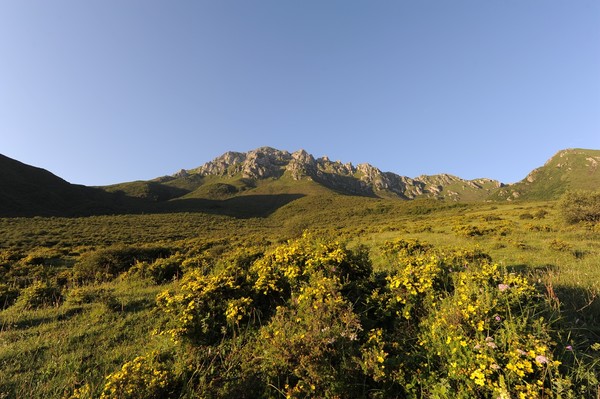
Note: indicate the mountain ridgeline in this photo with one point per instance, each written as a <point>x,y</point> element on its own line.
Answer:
<point>269,170</point>
<point>257,182</point>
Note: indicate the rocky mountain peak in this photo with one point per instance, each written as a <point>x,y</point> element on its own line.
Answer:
<point>363,179</point>
<point>302,165</point>
<point>265,162</point>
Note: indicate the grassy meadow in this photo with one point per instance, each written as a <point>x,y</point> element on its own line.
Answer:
<point>312,296</point>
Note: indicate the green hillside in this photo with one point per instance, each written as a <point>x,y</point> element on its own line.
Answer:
<point>571,169</point>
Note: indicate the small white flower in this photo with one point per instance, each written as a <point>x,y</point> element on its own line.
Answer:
<point>541,359</point>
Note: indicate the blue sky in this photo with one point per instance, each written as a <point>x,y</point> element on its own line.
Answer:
<point>100,92</point>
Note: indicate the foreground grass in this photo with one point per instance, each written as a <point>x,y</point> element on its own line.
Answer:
<point>48,352</point>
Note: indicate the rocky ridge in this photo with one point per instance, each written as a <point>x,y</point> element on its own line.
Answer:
<point>363,179</point>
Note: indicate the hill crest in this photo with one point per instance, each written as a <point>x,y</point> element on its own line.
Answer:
<point>569,169</point>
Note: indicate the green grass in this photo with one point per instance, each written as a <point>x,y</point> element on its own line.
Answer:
<point>47,352</point>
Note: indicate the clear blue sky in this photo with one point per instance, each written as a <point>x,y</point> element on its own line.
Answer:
<point>106,91</point>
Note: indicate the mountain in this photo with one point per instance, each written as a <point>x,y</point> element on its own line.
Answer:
<point>270,170</point>
<point>29,191</point>
<point>258,182</point>
<point>570,169</point>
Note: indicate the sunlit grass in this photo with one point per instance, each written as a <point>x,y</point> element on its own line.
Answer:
<point>48,352</point>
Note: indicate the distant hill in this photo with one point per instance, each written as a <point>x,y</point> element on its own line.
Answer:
<point>258,182</point>
<point>29,191</point>
<point>570,169</point>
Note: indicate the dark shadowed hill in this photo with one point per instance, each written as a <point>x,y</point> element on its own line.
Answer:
<point>30,191</point>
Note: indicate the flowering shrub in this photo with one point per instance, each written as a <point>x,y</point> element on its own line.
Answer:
<point>311,319</point>
<point>485,342</point>
<point>470,230</point>
<point>145,377</point>
<point>308,343</point>
<point>560,245</point>
<point>288,265</point>
<point>200,307</point>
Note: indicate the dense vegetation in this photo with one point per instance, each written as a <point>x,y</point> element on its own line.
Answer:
<point>323,296</point>
<point>580,206</point>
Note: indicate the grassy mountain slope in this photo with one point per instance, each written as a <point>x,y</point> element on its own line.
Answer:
<point>149,190</point>
<point>571,169</point>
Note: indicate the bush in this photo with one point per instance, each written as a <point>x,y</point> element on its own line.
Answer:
<point>405,247</point>
<point>86,295</point>
<point>160,271</point>
<point>580,206</point>
<point>526,216</point>
<point>311,319</point>
<point>39,294</point>
<point>471,230</point>
<point>8,296</point>
<point>560,245</point>
<point>106,264</point>
<point>42,256</point>
<point>145,377</point>
<point>304,340</point>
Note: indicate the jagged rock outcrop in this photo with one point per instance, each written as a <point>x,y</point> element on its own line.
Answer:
<point>363,179</point>
<point>265,162</point>
<point>302,165</point>
<point>227,164</point>
<point>181,173</point>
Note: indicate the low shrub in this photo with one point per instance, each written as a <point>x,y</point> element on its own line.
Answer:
<point>472,230</point>
<point>560,245</point>
<point>91,294</point>
<point>145,377</point>
<point>8,296</point>
<point>526,216</point>
<point>106,264</point>
<point>580,206</point>
<point>540,227</point>
<point>39,294</point>
<point>160,271</point>
<point>490,218</point>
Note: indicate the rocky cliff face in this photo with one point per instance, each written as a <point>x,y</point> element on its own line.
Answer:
<point>363,179</point>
